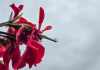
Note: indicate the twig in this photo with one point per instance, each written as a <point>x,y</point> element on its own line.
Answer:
<point>10,37</point>
<point>10,18</point>
<point>10,21</point>
<point>8,34</point>
<point>48,38</point>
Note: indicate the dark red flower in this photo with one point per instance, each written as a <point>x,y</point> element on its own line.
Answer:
<point>2,50</point>
<point>27,33</point>
<point>30,35</point>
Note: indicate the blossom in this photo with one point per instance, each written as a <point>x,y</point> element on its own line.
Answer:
<point>22,31</point>
<point>30,35</point>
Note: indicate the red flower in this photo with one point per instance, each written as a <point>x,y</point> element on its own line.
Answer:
<point>15,56</point>
<point>2,50</point>
<point>27,33</point>
<point>31,35</point>
<point>34,51</point>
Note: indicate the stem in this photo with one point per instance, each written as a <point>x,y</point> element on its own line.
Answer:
<point>48,38</point>
<point>11,21</point>
<point>14,25</point>
<point>8,35</point>
<point>4,24</point>
<point>10,25</point>
<point>10,18</point>
<point>3,41</point>
<point>17,17</point>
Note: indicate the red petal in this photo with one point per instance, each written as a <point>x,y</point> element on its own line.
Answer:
<point>29,56</point>
<point>22,35</point>
<point>47,28</point>
<point>15,56</point>
<point>16,9</point>
<point>41,17</point>
<point>12,30</point>
<point>3,67</point>
<point>22,20</point>
<point>39,51</point>
<point>32,55</point>
<point>6,59</point>
<point>20,7</point>
<point>19,35</point>
<point>2,50</point>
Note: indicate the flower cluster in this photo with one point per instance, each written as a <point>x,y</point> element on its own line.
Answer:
<point>21,31</point>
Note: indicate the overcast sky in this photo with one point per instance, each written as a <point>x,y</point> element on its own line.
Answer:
<point>76,26</point>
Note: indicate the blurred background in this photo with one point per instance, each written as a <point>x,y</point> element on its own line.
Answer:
<point>76,26</point>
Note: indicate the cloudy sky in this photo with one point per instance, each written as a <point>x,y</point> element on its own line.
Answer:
<point>76,26</point>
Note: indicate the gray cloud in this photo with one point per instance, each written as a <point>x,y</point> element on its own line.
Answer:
<point>76,26</point>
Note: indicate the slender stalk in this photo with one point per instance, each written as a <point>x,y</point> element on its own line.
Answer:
<point>48,38</point>
<point>4,23</point>
<point>17,17</point>
<point>10,21</point>
<point>10,18</point>
<point>7,34</point>
<point>14,25</point>
<point>10,37</point>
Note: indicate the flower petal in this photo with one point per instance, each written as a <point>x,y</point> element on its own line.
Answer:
<point>3,67</point>
<point>15,56</point>
<point>41,17</point>
<point>32,55</point>
<point>16,9</point>
<point>22,35</point>
<point>6,59</point>
<point>2,51</point>
<point>38,53</point>
<point>47,28</point>
<point>23,20</point>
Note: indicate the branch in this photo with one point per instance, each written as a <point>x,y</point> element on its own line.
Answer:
<point>10,21</point>
<point>8,35</point>
<point>48,38</point>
